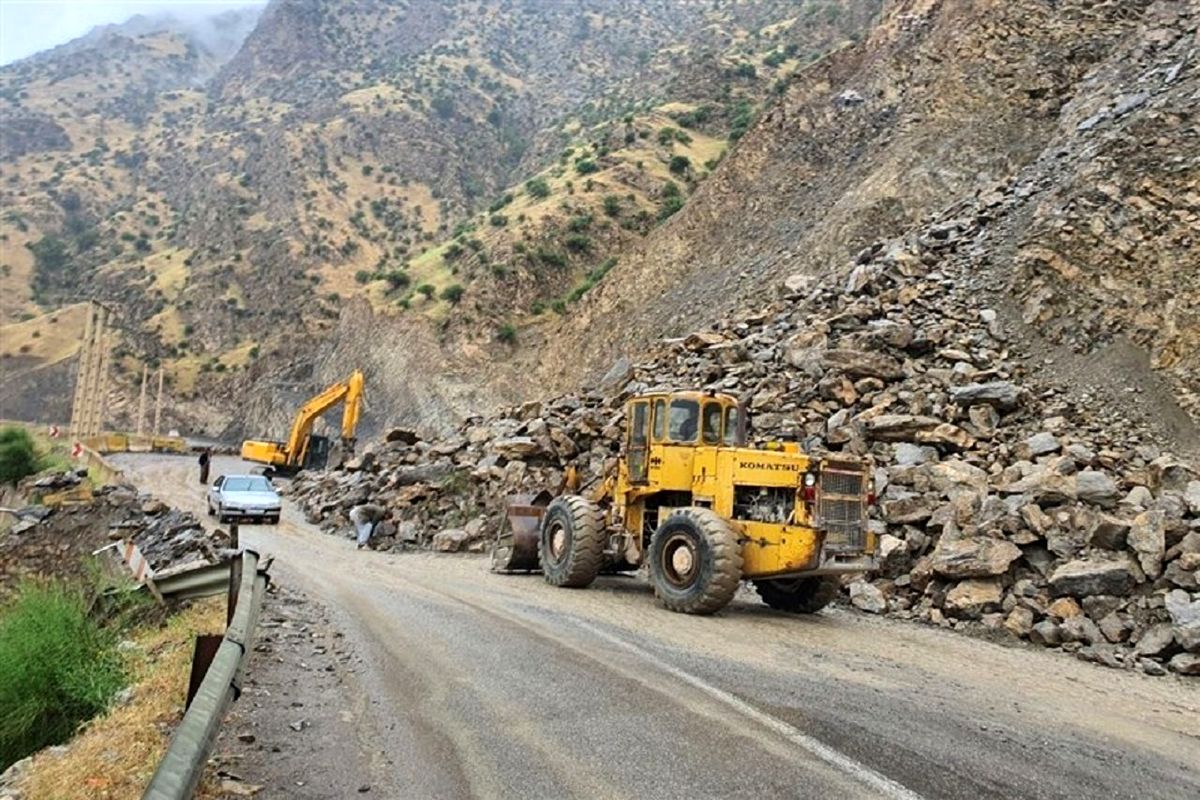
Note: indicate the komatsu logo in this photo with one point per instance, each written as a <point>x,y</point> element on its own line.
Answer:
<point>779,466</point>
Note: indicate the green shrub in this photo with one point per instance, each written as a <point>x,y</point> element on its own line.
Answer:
<point>612,205</point>
<point>669,206</point>
<point>537,187</point>
<point>363,276</point>
<point>579,223</point>
<point>453,251</point>
<point>680,164</point>
<point>506,333</point>
<point>550,257</point>
<point>453,293</point>
<point>501,202</point>
<point>586,166</point>
<point>427,289</point>
<point>578,243</point>
<point>58,668</point>
<point>18,457</point>
<point>397,279</point>
<point>498,220</point>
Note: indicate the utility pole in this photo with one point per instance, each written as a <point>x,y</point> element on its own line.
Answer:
<point>96,380</point>
<point>82,375</point>
<point>141,422</point>
<point>158,402</point>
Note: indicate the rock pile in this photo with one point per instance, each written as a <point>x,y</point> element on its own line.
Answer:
<point>57,542</point>
<point>1003,505</point>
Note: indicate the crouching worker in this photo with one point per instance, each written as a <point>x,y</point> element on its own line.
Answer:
<point>365,517</point>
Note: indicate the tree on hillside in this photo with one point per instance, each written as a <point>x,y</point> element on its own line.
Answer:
<point>18,458</point>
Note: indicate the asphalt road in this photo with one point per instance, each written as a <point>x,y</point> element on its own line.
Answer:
<point>479,685</point>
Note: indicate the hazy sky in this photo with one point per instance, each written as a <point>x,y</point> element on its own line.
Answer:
<point>27,26</point>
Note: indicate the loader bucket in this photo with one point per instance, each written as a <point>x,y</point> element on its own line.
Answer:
<point>516,545</point>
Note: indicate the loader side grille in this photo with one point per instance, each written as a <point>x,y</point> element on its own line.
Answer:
<point>843,510</point>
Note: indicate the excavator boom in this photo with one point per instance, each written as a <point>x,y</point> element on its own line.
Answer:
<point>299,451</point>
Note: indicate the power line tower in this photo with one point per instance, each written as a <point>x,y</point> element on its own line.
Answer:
<point>91,384</point>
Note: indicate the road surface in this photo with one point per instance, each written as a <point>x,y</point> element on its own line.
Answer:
<point>479,685</point>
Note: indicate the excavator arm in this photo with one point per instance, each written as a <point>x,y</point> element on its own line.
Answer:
<point>292,454</point>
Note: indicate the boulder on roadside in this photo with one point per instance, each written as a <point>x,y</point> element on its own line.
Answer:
<point>972,597</point>
<point>450,541</point>
<point>1185,619</point>
<point>973,557</point>
<point>1147,538</point>
<point>1095,575</point>
<point>867,597</point>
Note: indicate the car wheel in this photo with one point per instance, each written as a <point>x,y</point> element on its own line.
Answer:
<point>221,517</point>
<point>273,520</point>
<point>208,508</point>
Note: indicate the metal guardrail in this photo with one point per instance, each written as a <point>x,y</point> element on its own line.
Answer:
<point>183,764</point>
<point>206,580</point>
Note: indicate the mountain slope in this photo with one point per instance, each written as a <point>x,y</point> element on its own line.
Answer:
<point>946,100</point>
<point>340,141</point>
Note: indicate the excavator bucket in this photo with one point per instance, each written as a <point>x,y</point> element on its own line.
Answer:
<point>516,545</point>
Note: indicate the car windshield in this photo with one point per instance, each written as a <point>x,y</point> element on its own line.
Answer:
<point>256,484</point>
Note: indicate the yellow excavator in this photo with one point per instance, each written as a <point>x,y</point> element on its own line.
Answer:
<point>304,449</point>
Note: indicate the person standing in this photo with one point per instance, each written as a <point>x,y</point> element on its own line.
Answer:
<point>365,517</point>
<point>205,461</point>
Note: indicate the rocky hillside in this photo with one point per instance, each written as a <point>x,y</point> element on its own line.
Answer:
<point>230,201</point>
<point>1089,108</point>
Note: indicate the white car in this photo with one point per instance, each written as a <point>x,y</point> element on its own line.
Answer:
<point>243,497</point>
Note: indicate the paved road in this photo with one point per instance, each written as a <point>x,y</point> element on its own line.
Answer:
<point>478,685</point>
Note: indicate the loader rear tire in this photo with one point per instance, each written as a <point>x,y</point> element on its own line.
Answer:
<point>571,547</point>
<point>799,595</point>
<point>695,561</point>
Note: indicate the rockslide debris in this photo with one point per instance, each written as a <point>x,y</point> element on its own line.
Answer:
<point>1003,506</point>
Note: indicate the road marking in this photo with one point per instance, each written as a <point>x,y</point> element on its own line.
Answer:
<point>876,780</point>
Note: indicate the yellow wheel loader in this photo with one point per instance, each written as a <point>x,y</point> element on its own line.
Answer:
<point>703,512</point>
<point>304,449</point>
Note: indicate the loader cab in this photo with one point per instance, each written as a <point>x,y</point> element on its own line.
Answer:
<point>679,419</point>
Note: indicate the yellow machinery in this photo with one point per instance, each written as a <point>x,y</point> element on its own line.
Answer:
<point>703,511</point>
<point>304,449</point>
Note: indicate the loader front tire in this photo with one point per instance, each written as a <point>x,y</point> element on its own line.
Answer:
<point>571,548</point>
<point>695,561</point>
<point>799,595</point>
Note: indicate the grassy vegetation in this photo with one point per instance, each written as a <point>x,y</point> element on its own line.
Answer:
<point>21,455</point>
<point>58,667</point>
<point>117,752</point>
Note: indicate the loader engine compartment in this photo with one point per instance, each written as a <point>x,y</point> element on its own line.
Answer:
<point>774,504</point>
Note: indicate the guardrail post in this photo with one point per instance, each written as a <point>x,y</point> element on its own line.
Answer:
<point>203,653</point>
<point>235,581</point>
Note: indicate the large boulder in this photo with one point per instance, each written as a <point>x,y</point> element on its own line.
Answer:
<point>998,394</point>
<point>450,541</point>
<point>1097,488</point>
<point>1097,575</point>
<point>973,597</point>
<point>1185,617</point>
<point>1191,496</point>
<point>860,364</point>
<point>973,557</point>
<point>1147,538</point>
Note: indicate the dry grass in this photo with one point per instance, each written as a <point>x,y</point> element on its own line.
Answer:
<point>50,338</point>
<point>115,755</point>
